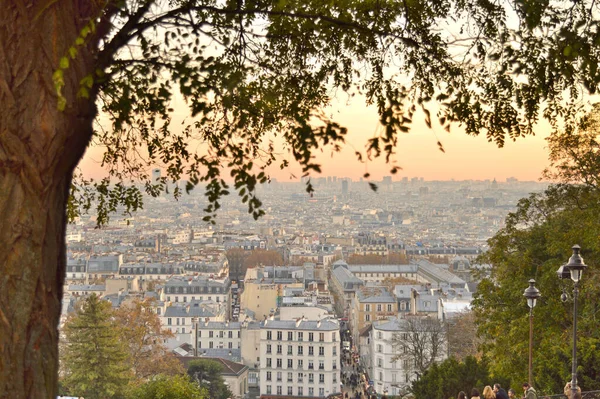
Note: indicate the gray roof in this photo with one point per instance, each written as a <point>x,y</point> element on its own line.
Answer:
<point>346,278</point>
<point>392,324</point>
<point>220,325</point>
<point>86,287</point>
<point>437,275</point>
<point>383,268</point>
<point>378,296</point>
<point>323,325</point>
<point>192,310</point>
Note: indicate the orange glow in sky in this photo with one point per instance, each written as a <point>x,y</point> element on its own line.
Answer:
<point>465,157</point>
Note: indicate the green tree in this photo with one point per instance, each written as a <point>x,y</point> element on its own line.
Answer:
<point>534,243</point>
<point>94,358</point>
<point>169,387</point>
<point>248,71</point>
<point>207,373</point>
<point>446,379</point>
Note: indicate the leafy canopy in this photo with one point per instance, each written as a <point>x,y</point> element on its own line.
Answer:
<point>252,80</point>
<point>93,357</point>
<point>534,243</point>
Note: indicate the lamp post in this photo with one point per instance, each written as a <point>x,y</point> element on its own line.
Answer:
<point>532,294</point>
<point>574,269</point>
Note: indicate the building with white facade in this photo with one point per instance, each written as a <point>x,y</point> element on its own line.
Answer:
<point>390,375</point>
<point>222,335</point>
<point>299,358</point>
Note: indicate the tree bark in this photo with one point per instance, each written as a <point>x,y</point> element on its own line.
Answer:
<point>39,149</point>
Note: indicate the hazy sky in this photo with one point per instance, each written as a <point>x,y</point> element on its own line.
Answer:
<point>466,157</point>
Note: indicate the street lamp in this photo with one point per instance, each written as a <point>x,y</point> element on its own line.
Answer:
<point>575,269</point>
<point>532,294</point>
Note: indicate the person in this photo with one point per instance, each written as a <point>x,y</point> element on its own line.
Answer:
<point>462,395</point>
<point>488,392</point>
<point>511,394</point>
<point>475,394</point>
<point>569,392</point>
<point>529,392</point>
<point>500,392</point>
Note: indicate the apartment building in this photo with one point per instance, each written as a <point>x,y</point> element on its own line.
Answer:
<point>299,358</point>
<point>371,304</point>
<point>222,335</point>
<point>197,288</point>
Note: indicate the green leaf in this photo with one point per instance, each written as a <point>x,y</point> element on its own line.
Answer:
<point>63,63</point>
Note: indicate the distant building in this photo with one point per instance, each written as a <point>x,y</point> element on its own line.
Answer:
<point>156,176</point>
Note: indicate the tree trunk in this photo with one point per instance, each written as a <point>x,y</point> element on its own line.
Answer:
<point>39,148</point>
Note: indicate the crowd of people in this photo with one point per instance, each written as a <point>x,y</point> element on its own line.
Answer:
<point>497,392</point>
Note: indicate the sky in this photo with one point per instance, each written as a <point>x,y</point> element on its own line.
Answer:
<point>465,158</point>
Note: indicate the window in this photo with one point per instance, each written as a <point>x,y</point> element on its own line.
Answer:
<point>230,345</point>
<point>239,334</point>
<point>379,335</point>
<point>290,391</point>
<point>220,334</point>
<point>389,307</point>
<point>268,376</point>
<point>269,335</point>
<point>311,379</point>
<point>334,337</point>
<point>321,392</point>
<point>380,376</point>
<point>210,344</point>
<point>289,352</point>
<point>310,365</point>
<point>367,317</point>
<point>379,362</point>
<point>321,337</point>
<point>230,334</point>
<point>311,391</point>
<point>169,321</point>
<point>379,307</point>
<point>279,349</point>
<point>278,390</point>
<point>300,336</point>
<point>321,365</point>
<point>334,378</point>
<point>290,365</point>
<point>279,363</point>
<point>321,378</point>
<point>321,351</point>
<point>183,330</point>
<point>394,377</point>
<point>268,348</point>
<point>279,376</point>
<point>404,336</point>
<point>367,307</point>
<point>300,350</point>
<point>289,377</point>
<point>379,348</point>
<point>290,336</point>
<point>300,390</point>
<point>311,351</point>
<point>406,363</point>
<point>268,389</point>
<point>334,350</point>
<point>311,337</point>
<point>268,361</point>
<point>279,335</point>
<point>334,365</point>
<point>402,305</point>
<point>300,364</point>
